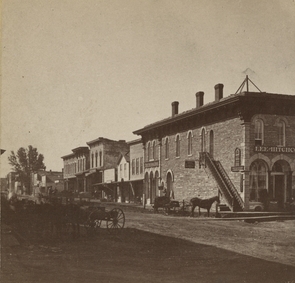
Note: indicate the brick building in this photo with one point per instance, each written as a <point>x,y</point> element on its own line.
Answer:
<point>104,157</point>
<point>76,166</point>
<point>241,147</point>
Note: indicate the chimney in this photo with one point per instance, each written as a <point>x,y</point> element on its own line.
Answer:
<point>174,108</point>
<point>218,92</point>
<point>199,99</point>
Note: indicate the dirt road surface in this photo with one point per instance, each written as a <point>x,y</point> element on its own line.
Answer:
<point>158,248</point>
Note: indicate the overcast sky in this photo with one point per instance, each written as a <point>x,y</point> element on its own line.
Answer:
<point>73,70</point>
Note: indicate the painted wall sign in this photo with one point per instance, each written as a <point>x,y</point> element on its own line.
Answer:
<point>274,149</point>
<point>150,164</point>
<point>237,168</point>
<point>189,164</point>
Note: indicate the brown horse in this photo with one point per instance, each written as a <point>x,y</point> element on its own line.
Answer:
<point>203,203</point>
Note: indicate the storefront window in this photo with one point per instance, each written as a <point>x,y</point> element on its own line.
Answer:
<point>258,180</point>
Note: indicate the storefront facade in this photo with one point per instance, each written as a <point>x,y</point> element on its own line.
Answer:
<point>241,147</point>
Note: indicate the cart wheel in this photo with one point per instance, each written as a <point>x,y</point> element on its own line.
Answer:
<point>116,220</point>
<point>93,222</point>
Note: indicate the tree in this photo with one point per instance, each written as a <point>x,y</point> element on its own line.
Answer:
<point>25,162</point>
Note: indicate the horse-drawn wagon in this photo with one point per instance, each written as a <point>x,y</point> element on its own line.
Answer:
<point>114,218</point>
<point>92,214</point>
<point>183,207</point>
<point>63,214</point>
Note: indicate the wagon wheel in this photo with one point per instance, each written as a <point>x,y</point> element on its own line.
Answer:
<point>93,222</point>
<point>116,220</point>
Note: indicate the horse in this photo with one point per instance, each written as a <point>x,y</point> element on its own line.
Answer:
<point>203,203</point>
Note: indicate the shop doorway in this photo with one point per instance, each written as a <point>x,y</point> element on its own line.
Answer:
<point>279,194</point>
<point>280,183</point>
<point>152,188</point>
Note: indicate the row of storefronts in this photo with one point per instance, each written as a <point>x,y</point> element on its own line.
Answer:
<point>106,169</point>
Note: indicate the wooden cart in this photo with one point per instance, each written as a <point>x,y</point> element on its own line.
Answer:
<point>115,219</point>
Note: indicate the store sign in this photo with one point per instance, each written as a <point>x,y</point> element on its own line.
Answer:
<point>237,168</point>
<point>151,164</point>
<point>274,149</point>
<point>189,164</point>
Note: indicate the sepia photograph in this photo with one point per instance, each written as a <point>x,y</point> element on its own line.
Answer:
<point>147,141</point>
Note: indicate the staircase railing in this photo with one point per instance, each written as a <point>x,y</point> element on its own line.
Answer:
<point>227,188</point>
<point>231,186</point>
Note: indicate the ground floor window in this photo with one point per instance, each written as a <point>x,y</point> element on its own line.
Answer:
<point>258,180</point>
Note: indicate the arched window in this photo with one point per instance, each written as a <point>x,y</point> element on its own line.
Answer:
<point>177,141</point>
<point>258,180</point>
<point>154,150</point>
<point>166,148</point>
<point>259,132</point>
<point>189,144</point>
<point>211,145</point>
<point>281,125</point>
<point>203,141</point>
<point>237,157</point>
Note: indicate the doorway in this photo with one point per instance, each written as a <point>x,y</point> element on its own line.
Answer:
<point>279,190</point>
<point>281,184</point>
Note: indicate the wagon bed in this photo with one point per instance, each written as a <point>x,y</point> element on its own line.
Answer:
<point>114,218</point>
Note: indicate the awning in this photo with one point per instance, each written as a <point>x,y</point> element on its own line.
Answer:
<point>104,186</point>
<point>81,173</point>
<point>90,173</point>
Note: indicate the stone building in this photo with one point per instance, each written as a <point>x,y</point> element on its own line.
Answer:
<point>241,147</point>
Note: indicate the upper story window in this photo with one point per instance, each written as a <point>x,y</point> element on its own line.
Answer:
<point>121,174</point>
<point>154,150</point>
<point>189,143</point>
<point>203,140</point>
<point>137,166</point>
<point>211,143</point>
<point>177,144</point>
<point>281,126</point>
<point>133,166</point>
<point>100,158</point>
<point>125,170</point>
<point>166,148</point>
<point>96,156</point>
<point>92,160</point>
<point>259,132</point>
<point>237,157</point>
<point>148,151</point>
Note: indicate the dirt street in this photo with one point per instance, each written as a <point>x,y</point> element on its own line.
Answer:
<point>159,248</point>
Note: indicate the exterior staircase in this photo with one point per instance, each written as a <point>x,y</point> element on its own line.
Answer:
<point>227,188</point>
